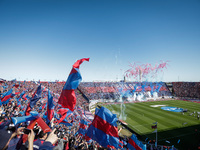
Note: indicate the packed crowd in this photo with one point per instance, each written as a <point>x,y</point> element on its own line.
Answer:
<point>61,133</point>
<point>113,90</point>
<point>187,89</point>
<point>56,87</point>
<point>57,135</point>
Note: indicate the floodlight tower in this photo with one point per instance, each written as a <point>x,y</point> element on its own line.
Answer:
<point>140,75</point>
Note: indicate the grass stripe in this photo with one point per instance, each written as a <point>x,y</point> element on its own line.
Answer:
<point>140,117</point>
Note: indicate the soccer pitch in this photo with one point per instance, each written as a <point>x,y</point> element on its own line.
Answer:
<point>174,128</point>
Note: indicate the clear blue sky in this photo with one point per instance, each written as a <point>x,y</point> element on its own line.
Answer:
<point>41,39</point>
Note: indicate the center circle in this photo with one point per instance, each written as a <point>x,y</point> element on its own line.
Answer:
<point>173,109</point>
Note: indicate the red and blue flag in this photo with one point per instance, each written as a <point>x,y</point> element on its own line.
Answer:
<point>135,144</point>
<point>50,107</point>
<point>36,96</point>
<point>68,98</point>
<point>6,97</point>
<point>104,129</point>
<point>20,97</point>
<point>83,127</point>
<point>66,123</point>
<point>64,113</point>
<point>121,144</point>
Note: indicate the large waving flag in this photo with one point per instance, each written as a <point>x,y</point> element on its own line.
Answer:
<point>104,129</point>
<point>135,144</point>
<point>36,96</point>
<point>68,98</point>
<point>50,107</point>
<point>6,97</point>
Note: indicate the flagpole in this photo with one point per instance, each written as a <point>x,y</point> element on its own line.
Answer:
<point>156,130</point>
<point>156,134</point>
<point>156,138</point>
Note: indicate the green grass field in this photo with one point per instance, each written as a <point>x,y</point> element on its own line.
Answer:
<point>172,126</point>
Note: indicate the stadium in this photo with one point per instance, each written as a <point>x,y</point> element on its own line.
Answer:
<point>180,129</point>
<point>175,109</point>
<point>99,75</point>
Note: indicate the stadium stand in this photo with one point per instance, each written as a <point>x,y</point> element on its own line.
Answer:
<point>188,90</point>
<point>112,90</point>
<point>91,91</point>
